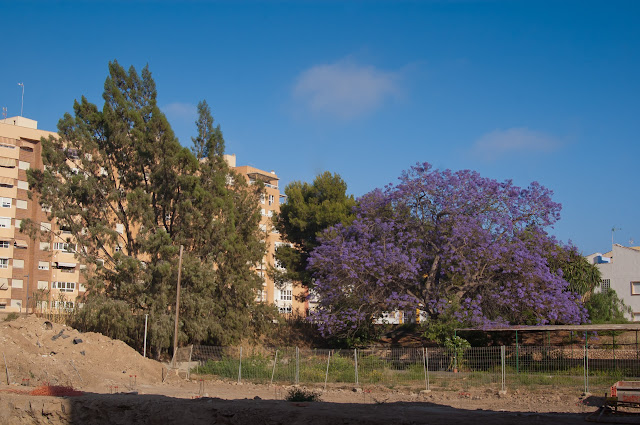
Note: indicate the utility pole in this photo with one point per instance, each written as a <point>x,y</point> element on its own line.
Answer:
<point>175,332</point>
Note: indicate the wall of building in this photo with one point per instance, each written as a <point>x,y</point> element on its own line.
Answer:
<point>622,274</point>
<point>37,270</point>
<point>287,298</point>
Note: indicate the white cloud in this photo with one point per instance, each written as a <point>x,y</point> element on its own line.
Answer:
<point>499,143</point>
<point>345,89</point>
<point>181,111</point>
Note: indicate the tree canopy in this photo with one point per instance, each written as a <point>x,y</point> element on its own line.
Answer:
<point>442,241</point>
<point>310,209</point>
<point>129,194</point>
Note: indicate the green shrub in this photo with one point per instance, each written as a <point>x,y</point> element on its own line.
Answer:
<point>301,394</point>
<point>11,316</point>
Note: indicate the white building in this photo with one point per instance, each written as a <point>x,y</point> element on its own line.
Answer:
<point>620,269</point>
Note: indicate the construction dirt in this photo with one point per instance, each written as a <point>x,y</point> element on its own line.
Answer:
<point>119,386</point>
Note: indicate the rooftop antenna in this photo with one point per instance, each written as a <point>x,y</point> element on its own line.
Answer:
<point>613,229</point>
<point>4,112</point>
<point>22,105</point>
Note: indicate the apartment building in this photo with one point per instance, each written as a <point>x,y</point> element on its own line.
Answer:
<point>620,270</point>
<point>286,298</point>
<point>34,273</point>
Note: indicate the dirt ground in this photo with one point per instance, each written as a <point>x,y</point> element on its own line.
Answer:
<point>122,387</point>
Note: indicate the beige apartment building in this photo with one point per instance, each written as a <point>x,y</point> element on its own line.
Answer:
<point>43,274</point>
<point>288,297</point>
<point>34,273</point>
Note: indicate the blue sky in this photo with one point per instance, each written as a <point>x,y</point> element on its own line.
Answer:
<point>523,90</point>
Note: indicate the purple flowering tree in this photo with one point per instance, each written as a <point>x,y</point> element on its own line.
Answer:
<point>443,238</point>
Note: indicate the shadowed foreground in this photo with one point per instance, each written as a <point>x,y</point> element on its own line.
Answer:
<point>157,409</point>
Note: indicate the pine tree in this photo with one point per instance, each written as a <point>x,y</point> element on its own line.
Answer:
<point>120,182</point>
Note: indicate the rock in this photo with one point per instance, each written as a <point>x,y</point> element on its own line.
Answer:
<point>357,390</point>
<point>58,335</point>
<point>77,341</point>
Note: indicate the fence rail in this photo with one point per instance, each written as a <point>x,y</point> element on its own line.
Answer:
<point>584,369</point>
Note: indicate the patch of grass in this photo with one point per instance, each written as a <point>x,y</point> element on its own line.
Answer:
<point>301,394</point>
<point>11,316</point>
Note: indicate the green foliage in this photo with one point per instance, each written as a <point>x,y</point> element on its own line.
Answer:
<point>11,316</point>
<point>301,395</point>
<point>129,195</point>
<point>582,276</point>
<point>310,209</point>
<point>606,307</point>
<point>443,327</point>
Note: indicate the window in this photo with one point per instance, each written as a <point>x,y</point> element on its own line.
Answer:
<point>23,165</point>
<point>272,199</point>
<point>269,213</point>
<point>63,286</point>
<point>5,202</point>
<point>43,265</point>
<point>6,184</point>
<point>62,305</point>
<point>5,145</point>
<point>635,288</point>
<point>636,316</point>
<point>66,247</point>
<point>263,227</point>
<point>285,310</point>
<point>262,198</point>
<point>17,283</point>
<point>26,148</point>
<point>18,264</point>
<point>120,226</point>
<point>4,263</point>
<point>72,154</point>
<point>5,222</point>
<point>45,226</point>
<point>22,204</point>
<point>65,229</point>
<point>263,211</point>
<point>605,285</point>
<point>285,295</point>
<point>3,306</point>
<point>4,244</point>
<point>44,246</point>
<point>23,185</point>
<point>18,223</point>
<point>43,284</point>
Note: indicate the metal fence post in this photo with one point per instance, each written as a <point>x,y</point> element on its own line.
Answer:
<point>586,362</point>
<point>240,366</point>
<point>425,357</point>
<point>326,375</point>
<point>517,354</point>
<point>355,356</point>
<point>502,358</point>
<point>297,365</point>
<point>275,362</point>
<point>189,363</point>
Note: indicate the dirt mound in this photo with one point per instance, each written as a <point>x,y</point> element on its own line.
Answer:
<point>39,352</point>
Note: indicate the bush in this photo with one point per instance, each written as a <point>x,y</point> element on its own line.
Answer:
<point>11,316</point>
<point>301,394</point>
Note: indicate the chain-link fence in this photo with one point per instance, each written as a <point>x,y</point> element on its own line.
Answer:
<point>582,369</point>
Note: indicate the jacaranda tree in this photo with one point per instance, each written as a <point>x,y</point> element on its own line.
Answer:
<point>440,240</point>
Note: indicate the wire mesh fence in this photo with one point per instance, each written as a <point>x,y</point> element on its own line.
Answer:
<point>582,369</point>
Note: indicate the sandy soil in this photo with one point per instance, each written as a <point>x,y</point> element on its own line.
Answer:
<point>122,387</point>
